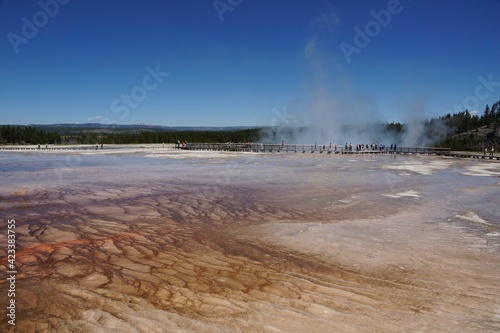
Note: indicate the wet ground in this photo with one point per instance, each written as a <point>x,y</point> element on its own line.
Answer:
<point>171,241</point>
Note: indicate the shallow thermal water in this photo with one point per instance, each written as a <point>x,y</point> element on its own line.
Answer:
<point>177,241</point>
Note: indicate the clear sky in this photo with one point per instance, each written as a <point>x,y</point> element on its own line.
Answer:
<point>245,62</point>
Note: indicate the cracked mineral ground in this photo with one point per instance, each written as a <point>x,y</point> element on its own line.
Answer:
<point>176,241</point>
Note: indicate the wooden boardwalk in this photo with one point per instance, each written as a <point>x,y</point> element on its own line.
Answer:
<point>481,156</point>
<point>321,149</point>
<point>84,148</point>
<point>268,148</point>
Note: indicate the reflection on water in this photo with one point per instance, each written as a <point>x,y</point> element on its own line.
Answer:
<point>172,241</point>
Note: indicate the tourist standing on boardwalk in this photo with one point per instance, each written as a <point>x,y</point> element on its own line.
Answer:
<point>485,151</point>
<point>492,150</point>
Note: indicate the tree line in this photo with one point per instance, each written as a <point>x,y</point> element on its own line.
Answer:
<point>463,130</point>
<point>30,135</point>
<point>471,131</point>
<point>27,135</point>
<point>464,121</point>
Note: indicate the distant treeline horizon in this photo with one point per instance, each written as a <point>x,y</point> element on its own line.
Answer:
<point>459,131</point>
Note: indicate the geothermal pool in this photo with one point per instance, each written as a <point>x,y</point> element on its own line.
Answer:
<point>180,241</point>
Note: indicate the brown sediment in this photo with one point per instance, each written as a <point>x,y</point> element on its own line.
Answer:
<point>180,257</point>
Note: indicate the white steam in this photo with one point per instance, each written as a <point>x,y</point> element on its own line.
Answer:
<point>339,114</point>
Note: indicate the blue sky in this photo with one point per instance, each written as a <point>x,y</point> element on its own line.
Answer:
<point>245,63</point>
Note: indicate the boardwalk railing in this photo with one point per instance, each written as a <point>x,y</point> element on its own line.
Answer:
<point>254,147</point>
<point>277,148</point>
<point>98,148</point>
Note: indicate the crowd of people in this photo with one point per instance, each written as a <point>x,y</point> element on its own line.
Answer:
<point>369,147</point>
<point>358,147</point>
